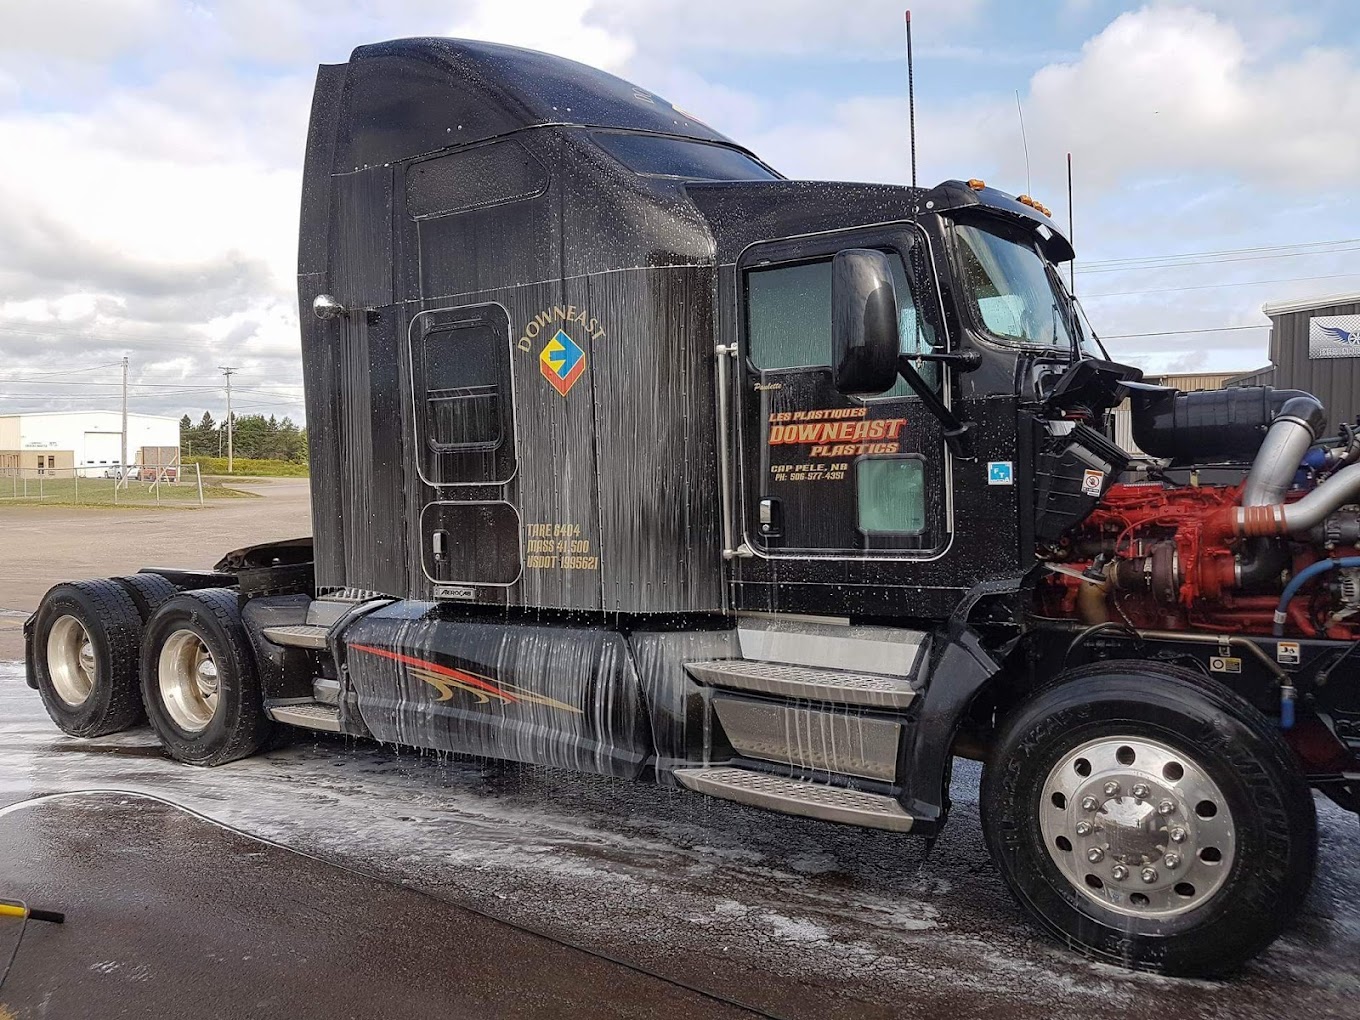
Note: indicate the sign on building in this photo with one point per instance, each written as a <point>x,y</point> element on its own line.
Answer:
<point>1334,336</point>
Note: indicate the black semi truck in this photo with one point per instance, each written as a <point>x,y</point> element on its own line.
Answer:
<point>631,456</point>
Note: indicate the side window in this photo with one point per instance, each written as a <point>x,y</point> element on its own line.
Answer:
<point>460,370</point>
<point>460,375</point>
<point>891,495</point>
<point>790,319</point>
<point>790,324</point>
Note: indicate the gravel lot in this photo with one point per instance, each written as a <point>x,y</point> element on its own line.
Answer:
<point>45,545</point>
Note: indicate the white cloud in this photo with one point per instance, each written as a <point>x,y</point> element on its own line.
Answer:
<point>79,29</point>
<point>1174,89</point>
<point>776,26</point>
<point>553,26</point>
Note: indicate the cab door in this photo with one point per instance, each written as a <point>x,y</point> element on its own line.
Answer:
<point>842,499</point>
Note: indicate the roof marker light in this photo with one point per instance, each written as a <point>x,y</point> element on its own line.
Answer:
<point>976,184</point>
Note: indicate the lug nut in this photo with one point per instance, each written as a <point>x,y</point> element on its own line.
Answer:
<point>1084,828</point>
<point>1172,861</point>
<point>1119,872</point>
<point>1149,875</point>
<point>1140,791</point>
<point>1165,807</point>
<point>1095,855</point>
<point>1178,835</point>
<point>1089,803</point>
<point>1111,789</point>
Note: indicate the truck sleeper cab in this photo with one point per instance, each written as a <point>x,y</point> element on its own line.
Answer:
<point>629,455</point>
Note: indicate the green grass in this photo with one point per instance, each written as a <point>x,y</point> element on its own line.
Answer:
<point>249,466</point>
<point>100,492</point>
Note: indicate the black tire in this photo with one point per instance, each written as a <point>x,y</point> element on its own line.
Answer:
<point>1272,816</point>
<point>114,631</point>
<point>237,726</point>
<point>148,591</point>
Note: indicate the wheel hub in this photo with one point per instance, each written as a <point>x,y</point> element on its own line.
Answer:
<point>1133,830</point>
<point>1137,827</point>
<point>188,679</point>
<point>71,661</point>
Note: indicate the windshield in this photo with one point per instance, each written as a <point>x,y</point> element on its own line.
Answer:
<point>1011,287</point>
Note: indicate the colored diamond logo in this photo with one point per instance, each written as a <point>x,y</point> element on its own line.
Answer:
<point>562,362</point>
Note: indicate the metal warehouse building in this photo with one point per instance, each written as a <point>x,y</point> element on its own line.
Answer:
<point>92,441</point>
<point>1315,347</point>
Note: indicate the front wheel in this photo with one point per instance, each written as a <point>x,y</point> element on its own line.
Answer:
<point>1150,818</point>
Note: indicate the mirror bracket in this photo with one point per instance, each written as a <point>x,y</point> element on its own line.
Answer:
<point>957,432</point>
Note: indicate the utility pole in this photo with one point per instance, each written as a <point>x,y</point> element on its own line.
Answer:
<point>123,461</point>
<point>228,372</point>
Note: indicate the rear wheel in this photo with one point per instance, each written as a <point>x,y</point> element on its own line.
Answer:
<point>85,657</point>
<point>199,682</point>
<point>148,591</point>
<point>1150,818</point>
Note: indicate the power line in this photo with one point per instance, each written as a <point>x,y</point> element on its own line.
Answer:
<point>1179,332</point>
<point>1087,268</point>
<point>1225,251</point>
<point>181,387</point>
<point>1217,286</point>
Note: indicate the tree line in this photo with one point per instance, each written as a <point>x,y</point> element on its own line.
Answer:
<point>253,436</point>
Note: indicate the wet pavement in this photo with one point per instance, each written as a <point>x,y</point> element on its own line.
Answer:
<point>787,916</point>
<point>173,916</point>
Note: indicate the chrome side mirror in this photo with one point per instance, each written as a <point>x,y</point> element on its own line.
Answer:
<point>326,307</point>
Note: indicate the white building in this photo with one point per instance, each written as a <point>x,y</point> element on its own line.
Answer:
<point>89,440</point>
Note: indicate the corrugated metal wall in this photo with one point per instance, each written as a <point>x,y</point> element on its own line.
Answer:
<point>1186,382</point>
<point>1334,381</point>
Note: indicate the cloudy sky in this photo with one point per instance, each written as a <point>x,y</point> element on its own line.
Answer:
<point>150,155</point>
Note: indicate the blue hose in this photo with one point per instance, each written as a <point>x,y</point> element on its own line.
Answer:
<point>1300,579</point>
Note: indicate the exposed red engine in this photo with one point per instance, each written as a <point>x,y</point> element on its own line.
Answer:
<point>1157,556</point>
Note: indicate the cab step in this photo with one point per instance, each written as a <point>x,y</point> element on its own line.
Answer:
<point>837,686</point>
<point>797,797</point>
<point>298,635</point>
<point>307,715</point>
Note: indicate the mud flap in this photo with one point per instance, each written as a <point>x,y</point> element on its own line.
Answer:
<point>30,677</point>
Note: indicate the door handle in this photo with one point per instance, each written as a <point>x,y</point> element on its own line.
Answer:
<point>439,545</point>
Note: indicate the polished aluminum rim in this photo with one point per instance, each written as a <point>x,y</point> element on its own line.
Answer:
<point>1137,827</point>
<point>70,661</point>
<point>187,676</point>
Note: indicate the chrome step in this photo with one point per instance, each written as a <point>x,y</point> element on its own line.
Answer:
<point>797,797</point>
<point>834,685</point>
<point>312,717</point>
<point>298,635</point>
<point>326,690</point>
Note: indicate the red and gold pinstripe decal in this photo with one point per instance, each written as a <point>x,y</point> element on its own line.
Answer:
<point>446,680</point>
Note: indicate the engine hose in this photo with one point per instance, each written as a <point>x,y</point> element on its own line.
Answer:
<point>1299,580</point>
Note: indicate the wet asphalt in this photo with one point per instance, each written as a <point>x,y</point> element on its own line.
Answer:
<point>360,881</point>
<point>173,916</point>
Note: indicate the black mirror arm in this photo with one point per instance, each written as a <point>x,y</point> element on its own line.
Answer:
<point>957,433</point>
<point>960,361</point>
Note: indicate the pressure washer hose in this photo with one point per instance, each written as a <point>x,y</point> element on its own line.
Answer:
<point>1300,579</point>
<point>31,913</point>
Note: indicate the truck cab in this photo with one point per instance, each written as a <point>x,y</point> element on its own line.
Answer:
<point>631,456</point>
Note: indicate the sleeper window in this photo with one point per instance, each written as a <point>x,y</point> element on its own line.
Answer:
<point>460,372</point>
<point>462,387</point>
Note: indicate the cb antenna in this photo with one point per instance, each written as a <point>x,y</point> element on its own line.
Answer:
<point>1071,232</point>
<point>1029,188</point>
<point>911,102</point>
